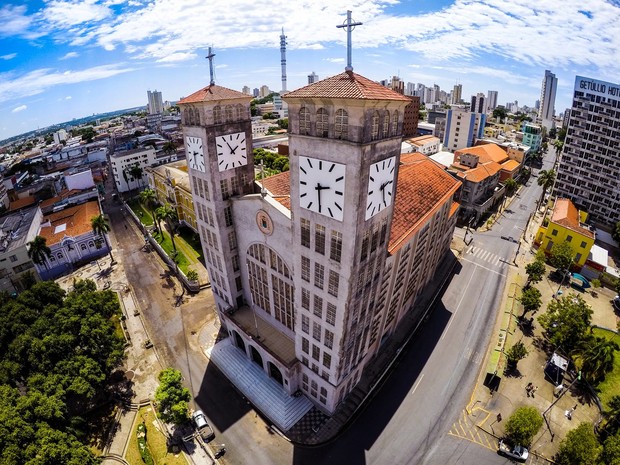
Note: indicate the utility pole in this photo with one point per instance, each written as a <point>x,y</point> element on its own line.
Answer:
<point>578,378</point>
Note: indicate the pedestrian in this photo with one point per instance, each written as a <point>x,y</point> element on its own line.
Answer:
<point>534,389</point>
<point>558,390</point>
<point>528,388</point>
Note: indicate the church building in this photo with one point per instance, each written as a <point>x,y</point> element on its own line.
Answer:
<point>314,268</point>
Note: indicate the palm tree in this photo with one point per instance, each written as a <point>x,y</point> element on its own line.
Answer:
<point>597,357</point>
<point>101,227</point>
<point>511,186</point>
<point>546,178</point>
<point>169,215</point>
<point>148,197</point>
<point>170,147</point>
<point>136,173</point>
<point>38,251</point>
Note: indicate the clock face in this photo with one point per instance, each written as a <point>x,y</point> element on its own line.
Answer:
<point>195,153</point>
<point>321,187</point>
<point>380,186</point>
<point>231,151</point>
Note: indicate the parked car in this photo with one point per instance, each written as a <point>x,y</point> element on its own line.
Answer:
<point>616,303</point>
<point>516,451</point>
<point>202,426</point>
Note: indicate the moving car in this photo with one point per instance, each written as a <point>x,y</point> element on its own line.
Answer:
<point>516,452</point>
<point>202,426</point>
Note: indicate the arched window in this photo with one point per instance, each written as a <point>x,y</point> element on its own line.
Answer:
<point>83,246</point>
<point>386,124</point>
<point>395,123</point>
<point>59,255</point>
<point>91,244</point>
<point>341,128</point>
<point>322,123</point>
<point>228,109</point>
<point>271,285</point>
<point>374,131</point>
<point>240,112</point>
<point>196,117</point>
<point>217,114</point>
<point>304,121</point>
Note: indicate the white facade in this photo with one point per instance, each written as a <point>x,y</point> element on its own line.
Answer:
<point>60,135</point>
<point>122,162</point>
<point>155,102</point>
<point>547,99</point>
<point>491,100</point>
<point>80,181</point>
<point>460,129</point>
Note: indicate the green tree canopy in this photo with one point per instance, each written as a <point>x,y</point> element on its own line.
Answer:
<point>169,215</point>
<point>516,352</point>
<point>562,255</point>
<point>596,357</point>
<point>579,447</point>
<point>511,186</point>
<point>611,450</point>
<point>531,299</point>
<point>523,425</point>
<point>101,227</point>
<point>546,178</point>
<point>535,271</point>
<point>38,251</point>
<point>615,233</point>
<point>567,321</point>
<point>148,197</point>
<point>500,112</point>
<point>172,397</point>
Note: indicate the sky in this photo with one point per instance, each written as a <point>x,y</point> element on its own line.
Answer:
<point>65,59</point>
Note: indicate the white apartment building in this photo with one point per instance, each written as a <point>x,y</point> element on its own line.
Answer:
<point>155,102</point>
<point>121,163</point>
<point>491,100</point>
<point>460,128</point>
<point>547,99</point>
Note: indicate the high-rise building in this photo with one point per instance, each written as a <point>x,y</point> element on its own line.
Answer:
<point>246,90</point>
<point>155,102</point>
<point>457,93</point>
<point>478,103</point>
<point>410,89</point>
<point>264,91</point>
<point>547,99</point>
<point>491,100</point>
<point>313,269</point>
<point>397,85</point>
<point>589,169</point>
<point>411,117</point>
<point>256,92</point>
<point>283,60</point>
<point>460,128</point>
<point>313,77</point>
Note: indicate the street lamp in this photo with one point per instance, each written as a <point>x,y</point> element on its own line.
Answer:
<point>578,378</point>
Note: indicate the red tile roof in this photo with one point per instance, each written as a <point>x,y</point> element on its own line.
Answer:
<point>347,85</point>
<point>21,203</point>
<point>279,187</point>
<point>423,188</point>
<point>480,172</point>
<point>566,214</point>
<point>511,165</point>
<point>77,221</point>
<point>486,152</point>
<point>212,94</point>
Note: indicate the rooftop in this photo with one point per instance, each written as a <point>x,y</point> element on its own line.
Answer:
<point>14,229</point>
<point>279,187</point>
<point>480,172</point>
<point>566,214</point>
<point>214,93</point>
<point>486,152</point>
<point>72,222</point>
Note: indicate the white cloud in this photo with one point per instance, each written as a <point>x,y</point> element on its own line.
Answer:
<point>8,56</point>
<point>66,13</point>
<point>179,56</point>
<point>19,108</point>
<point>68,97</point>
<point>70,55</point>
<point>40,80</point>
<point>13,20</point>
<point>335,60</point>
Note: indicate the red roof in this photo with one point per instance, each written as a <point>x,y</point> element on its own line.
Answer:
<point>486,152</point>
<point>279,187</point>
<point>73,222</point>
<point>566,214</point>
<point>212,94</point>
<point>480,172</point>
<point>423,188</point>
<point>347,85</point>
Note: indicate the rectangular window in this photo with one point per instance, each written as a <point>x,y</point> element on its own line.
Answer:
<point>329,339</point>
<point>316,331</point>
<point>228,216</point>
<point>305,324</point>
<point>569,238</point>
<point>232,240</point>
<point>305,232</point>
<point>305,269</point>
<point>305,299</point>
<point>206,189</point>
<point>319,275</point>
<point>238,284</point>
<point>327,360</point>
<point>13,258</point>
<point>334,281</point>
<point>235,186</point>
<point>224,189</point>
<point>335,250</point>
<point>305,345</point>
<point>235,262</point>
<point>583,244</point>
<point>577,257</point>
<point>554,232</point>
<point>365,240</point>
<point>330,317</point>
<point>210,217</point>
<point>316,353</point>
<point>319,239</point>
<point>318,306</point>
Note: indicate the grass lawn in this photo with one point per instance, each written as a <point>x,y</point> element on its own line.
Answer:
<point>166,244</point>
<point>611,386</point>
<point>141,212</point>
<point>193,240</point>
<point>156,443</point>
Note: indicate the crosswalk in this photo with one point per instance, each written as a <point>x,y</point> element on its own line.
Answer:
<point>485,255</point>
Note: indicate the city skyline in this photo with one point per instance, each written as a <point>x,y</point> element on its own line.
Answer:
<point>63,60</point>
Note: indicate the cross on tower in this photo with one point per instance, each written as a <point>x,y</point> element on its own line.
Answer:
<point>350,25</point>
<point>210,58</point>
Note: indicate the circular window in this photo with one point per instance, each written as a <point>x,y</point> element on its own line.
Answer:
<point>263,220</point>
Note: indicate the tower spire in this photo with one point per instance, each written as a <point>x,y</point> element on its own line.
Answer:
<point>210,58</point>
<point>283,59</point>
<point>350,25</point>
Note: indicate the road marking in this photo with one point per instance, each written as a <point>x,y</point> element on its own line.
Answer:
<point>484,267</point>
<point>417,384</point>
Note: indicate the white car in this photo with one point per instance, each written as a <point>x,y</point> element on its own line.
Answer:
<point>202,426</point>
<point>516,452</point>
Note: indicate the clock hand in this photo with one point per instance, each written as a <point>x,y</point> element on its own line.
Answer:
<point>319,188</point>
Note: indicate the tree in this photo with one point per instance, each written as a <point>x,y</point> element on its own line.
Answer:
<point>148,197</point>
<point>531,299</point>
<point>562,256</point>
<point>169,215</point>
<point>511,186</point>
<point>611,450</point>
<point>192,275</point>
<point>515,353</point>
<point>172,397</point>
<point>596,356</point>
<point>501,113</point>
<point>170,147</point>
<point>579,447</point>
<point>535,271</point>
<point>615,233</point>
<point>38,251</point>
<point>136,173</point>
<point>283,123</point>
<point>566,321</point>
<point>101,227</point>
<point>546,178</point>
<point>523,425</point>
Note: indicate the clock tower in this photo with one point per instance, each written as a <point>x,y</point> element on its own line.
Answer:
<point>345,135</point>
<point>217,133</point>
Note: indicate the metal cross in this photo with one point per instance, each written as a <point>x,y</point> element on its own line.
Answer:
<point>350,26</point>
<point>210,58</point>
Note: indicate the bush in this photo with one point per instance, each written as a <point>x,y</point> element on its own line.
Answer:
<point>145,453</point>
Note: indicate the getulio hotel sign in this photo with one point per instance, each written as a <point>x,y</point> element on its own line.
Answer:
<point>593,86</point>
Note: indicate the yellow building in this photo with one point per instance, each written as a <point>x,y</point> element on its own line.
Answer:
<point>171,185</point>
<point>566,224</point>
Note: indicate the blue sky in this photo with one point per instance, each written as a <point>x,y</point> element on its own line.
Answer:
<point>64,59</point>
